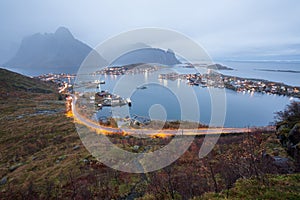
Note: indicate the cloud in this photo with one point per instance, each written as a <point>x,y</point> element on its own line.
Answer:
<point>222,27</point>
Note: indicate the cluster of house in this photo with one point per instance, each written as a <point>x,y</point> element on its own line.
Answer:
<point>214,79</point>
<point>263,86</point>
<point>104,98</point>
<point>208,79</point>
<point>63,80</point>
<point>56,77</point>
<point>127,69</point>
<point>116,70</point>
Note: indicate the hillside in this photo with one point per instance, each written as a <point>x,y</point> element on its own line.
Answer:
<point>12,82</point>
<point>42,157</point>
<point>52,52</point>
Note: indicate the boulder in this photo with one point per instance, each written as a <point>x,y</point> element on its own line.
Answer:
<point>3,180</point>
<point>14,167</point>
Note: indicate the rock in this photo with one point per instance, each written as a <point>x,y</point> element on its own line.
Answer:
<point>136,147</point>
<point>60,158</point>
<point>280,160</point>
<point>282,163</point>
<point>34,158</point>
<point>3,180</point>
<point>15,158</point>
<point>76,147</point>
<point>14,167</point>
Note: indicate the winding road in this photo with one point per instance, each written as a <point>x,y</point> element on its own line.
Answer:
<point>166,132</point>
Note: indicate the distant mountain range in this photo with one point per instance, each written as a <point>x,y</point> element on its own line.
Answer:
<point>61,52</point>
<point>52,52</point>
<point>148,55</point>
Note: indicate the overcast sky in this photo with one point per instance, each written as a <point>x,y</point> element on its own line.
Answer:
<point>222,27</point>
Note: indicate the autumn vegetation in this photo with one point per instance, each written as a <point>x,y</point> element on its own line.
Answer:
<point>42,157</point>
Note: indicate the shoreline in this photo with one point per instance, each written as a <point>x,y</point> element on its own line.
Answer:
<point>79,119</point>
<point>278,70</point>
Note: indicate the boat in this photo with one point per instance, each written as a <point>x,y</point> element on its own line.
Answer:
<point>128,100</point>
<point>142,87</point>
<point>100,105</point>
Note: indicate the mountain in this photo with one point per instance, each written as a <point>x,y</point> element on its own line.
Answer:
<point>52,52</point>
<point>148,55</point>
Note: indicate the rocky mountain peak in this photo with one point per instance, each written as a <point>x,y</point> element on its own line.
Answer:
<point>63,32</point>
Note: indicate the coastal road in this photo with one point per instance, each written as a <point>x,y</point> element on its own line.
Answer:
<point>165,132</point>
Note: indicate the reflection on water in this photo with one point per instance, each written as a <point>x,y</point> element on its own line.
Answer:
<point>243,109</point>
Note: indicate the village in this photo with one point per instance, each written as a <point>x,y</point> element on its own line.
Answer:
<point>127,69</point>
<point>104,98</point>
<point>210,79</point>
<point>63,81</point>
<point>215,79</point>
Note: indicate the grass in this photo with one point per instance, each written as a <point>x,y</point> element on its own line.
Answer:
<point>39,147</point>
<point>13,82</point>
<point>36,140</point>
<point>32,141</point>
<point>277,187</point>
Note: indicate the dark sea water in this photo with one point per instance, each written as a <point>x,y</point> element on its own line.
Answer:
<point>160,101</point>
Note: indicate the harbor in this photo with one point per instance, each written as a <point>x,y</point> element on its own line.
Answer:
<point>251,95</point>
<point>105,98</point>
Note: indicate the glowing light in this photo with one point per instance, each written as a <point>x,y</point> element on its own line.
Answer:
<point>162,135</point>
<point>69,114</point>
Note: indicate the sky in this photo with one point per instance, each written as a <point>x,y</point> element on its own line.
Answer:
<point>225,28</point>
